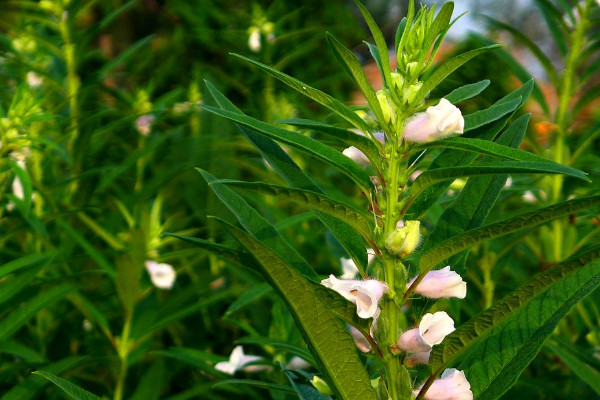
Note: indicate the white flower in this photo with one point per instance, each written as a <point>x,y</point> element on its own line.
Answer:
<point>144,124</point>
<point>254,39</point>
<point>358,156</point>
<point>441,283</point>
<point>297,363</point>
<point>237,361</point>
<point>432,330</point>
<point>349,268</point>
<point>162,275</point>
<point>17,188</point>
<point>34,80</point>
<point>437,122</point>
<point>452,385</point>
<point>359,339</point>
<point>365,294</point>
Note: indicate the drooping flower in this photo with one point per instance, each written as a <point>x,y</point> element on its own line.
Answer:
<point>441,283</point>
<point>365,294</point>
<point>452,385</point>
<point>437,122</point>
<point>162,275</point>
<point>358,156</point>
<point>237,361</point>
<point>297,363</point>
<point>359,339</point>
<point>432,330</point>
<point>404,240</point>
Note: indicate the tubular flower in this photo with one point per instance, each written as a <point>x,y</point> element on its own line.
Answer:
<point>365,294</point>
<point>359,340</point>
<point>432,330</point>
<point>441,283</point>
<point>437,122</point>
<point>358,156</point>
<point>237,360</point>
<point>452,385</point>
<point>162,275</point>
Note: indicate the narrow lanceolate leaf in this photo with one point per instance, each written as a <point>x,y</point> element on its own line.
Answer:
<point>259,227</point>
<point>576,362</point>
<point>345,212</point>
<point>439,26</point>
<point>496,111</point>
<point>322,98</point>
<point>433,176</point>
<point>466,92</point>
<point>517,341</point>
<point>379,41</point>
<point>281,162</point>
<point>468,239</point>
<point>311,146</point>
<point>446,69</point>
<point>356,72</point>
<point>330,344</point>
<point>259,384</point>
<point>350,138</point>
<point>23,262</point>
<point>502,340</point>
<point>74,391</point>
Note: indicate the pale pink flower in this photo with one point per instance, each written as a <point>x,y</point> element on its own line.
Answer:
<point>359,339</point>
<point>144,124</point>
<point>452,385</point>
<point>365,294</point>
<point>349,268</point>
<point>437,122</point>
<point>432,330</point>
<point>297,363</point>
<point>441,283</point>
<point>162,275</point>
<point>358,156</point>
<point>254,39</point>
<point>238,360</point>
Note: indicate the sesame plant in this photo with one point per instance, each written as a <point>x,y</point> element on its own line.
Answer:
<point>404,149</point>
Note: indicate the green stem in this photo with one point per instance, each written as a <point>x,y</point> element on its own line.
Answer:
<point>123,350</point>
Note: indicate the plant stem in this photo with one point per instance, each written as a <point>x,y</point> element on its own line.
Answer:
<point>123,350</point>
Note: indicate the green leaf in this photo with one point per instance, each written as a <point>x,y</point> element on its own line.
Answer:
<point>467,91</point>
<point>259,227</point>
<point>439,26</point>
<point>322,98</point>
<point>13,285</point>
<point>517,341</point>
<point>248,297</point>
<point>446,69</point>
<point>18,317</point>
<point>130,266</point>
<point>74,391</point>
<point>570,356</point>
<point>496,111</point>
<point>350,63</point>
<point>23,262</point>
<point>199,359</point>
<point>330,344</point>
<point>476,199</point>
<point>307,144</point>
<point>290,172</point>
<point>343,211</point>
<point>152,383</point>
<point>350,138</point>
<point>303,388</point>
<point>17,349</point>
<point>511,332</point>
<point>379,40</point>
<point>555,24</point>
<point>452,246</point>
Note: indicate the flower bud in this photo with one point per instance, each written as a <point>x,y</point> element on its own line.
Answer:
<point>365,294</point>
<point>432,330</point>
<point>254,39</point>
<point>441,283</point>
<point>321,386</point>
<point>410,92</point>
<point>453,385</point>
<point>387,107</point>
<point>435,123</point>
<point>404,240</point>
<point>397,82</point>
<point>162,275</point>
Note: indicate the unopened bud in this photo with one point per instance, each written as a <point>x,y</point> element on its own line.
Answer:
<point>404,240</point>
<point>321,386</point>
<point>387,108</point>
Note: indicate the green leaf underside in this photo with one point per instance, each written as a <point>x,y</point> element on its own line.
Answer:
<point>350,240</point>
<point>451,246</point>
<point>494,364</point>
<point>345,212</point>
<point>258,226</point>
<point>69,388</point>
<point>311,146</point>
<point>467,91</point>
<point>446,69</point>
<point>331,346</point>
<point>350,138</point>
<point>322,98</point>
<point>433,176</point>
